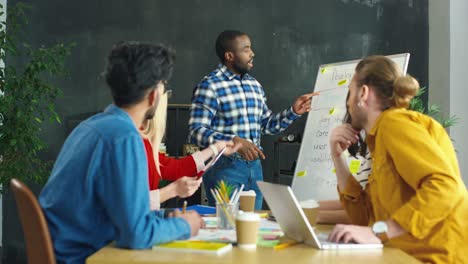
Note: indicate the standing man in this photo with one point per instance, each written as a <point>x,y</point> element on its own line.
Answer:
<point>98,190</point>
<point>230,104</point>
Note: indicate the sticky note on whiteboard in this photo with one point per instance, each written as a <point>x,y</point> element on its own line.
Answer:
<point>332,111</point>
<point>301,174</point>
<point>323,70</point>
<point>334,171</point>
<point>342,82</point>
<point>354,166</point>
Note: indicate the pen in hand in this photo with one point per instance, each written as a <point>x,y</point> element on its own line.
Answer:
<point>184,207</point>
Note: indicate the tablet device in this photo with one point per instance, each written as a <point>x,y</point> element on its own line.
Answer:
<point>211,162</point>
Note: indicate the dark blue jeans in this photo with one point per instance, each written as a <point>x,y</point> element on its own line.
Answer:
<point>236,171</point>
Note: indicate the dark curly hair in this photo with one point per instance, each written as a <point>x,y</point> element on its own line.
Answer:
<point>134,67</point>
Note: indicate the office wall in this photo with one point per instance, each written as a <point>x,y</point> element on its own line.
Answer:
<point>439,54</point>
<point>291,39</point>
<point>448,61</point>
<point>458,81</point>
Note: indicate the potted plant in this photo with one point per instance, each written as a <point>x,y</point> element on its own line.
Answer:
<point>433,110</point>
<point>27,99</point>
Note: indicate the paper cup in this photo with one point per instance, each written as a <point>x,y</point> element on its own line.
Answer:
<point>247,225</point>
<point>310,208</point>
<point>247,201</point>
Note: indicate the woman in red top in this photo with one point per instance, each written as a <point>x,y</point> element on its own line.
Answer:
<point>182,172</point>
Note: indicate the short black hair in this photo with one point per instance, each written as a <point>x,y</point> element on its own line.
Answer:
<point>224,42</point>
<point>134,67</point>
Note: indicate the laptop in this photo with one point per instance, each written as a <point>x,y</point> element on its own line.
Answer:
<point>293,221</point>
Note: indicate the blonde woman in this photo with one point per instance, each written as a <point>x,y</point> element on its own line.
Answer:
<point>182,172</point>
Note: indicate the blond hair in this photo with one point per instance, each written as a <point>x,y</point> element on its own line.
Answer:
<point>155,128</point>
<point>392,88</point>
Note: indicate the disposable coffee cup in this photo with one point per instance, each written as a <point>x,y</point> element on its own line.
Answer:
<point>310,208</point>
<point>247,201</point>
<point>247,225</point>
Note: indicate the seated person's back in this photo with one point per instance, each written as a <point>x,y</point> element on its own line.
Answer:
<point>98,190</point>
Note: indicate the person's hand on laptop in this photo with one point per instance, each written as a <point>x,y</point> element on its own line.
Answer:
<point>353,234</point>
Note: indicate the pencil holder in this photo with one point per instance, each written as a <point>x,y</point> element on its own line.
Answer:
<point>226,215</point>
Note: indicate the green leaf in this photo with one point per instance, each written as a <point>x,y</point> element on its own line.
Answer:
<point>29,84</point>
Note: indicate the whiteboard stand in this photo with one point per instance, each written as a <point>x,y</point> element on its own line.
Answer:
<point>279,176</point>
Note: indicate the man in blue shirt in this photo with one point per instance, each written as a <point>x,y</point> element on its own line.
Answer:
<point>230,104</point>
<point>98,191</point>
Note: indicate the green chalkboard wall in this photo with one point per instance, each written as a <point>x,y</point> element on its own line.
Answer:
<point>290,40</point>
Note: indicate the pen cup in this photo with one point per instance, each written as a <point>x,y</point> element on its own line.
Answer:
<point>226,215</point>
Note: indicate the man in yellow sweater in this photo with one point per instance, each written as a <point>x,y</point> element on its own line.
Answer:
<point>415,199</point>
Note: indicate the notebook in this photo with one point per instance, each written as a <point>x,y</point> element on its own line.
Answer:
<point>201,209</point>
<point>195,246</point>
<point>293,221</point>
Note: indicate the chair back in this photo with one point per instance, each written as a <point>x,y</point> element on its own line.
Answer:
<point>39,247</point>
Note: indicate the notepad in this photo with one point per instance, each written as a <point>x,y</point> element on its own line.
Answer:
<point>194,246</point>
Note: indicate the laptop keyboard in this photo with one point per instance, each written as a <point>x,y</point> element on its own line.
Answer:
<point>323,238</point>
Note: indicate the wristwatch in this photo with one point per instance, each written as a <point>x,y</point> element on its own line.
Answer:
<point>380,229</point>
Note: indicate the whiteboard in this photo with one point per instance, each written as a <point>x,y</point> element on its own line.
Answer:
<point>314,176</point>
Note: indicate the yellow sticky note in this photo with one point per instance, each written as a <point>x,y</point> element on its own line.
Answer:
<point>342,82</point>
<point>301,174</point>
<point>263,215</point>
<point>332,110</point>
<point>354,166</point>
<point>334,171</point>
<point>323,70</point>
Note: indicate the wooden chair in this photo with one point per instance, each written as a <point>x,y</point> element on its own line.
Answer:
<point>39,246</point>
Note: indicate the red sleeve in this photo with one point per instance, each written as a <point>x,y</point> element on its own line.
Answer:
<point>173,169</point>
<point>153,176</point>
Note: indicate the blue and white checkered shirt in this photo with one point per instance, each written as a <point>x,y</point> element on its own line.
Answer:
<point>225,106</point>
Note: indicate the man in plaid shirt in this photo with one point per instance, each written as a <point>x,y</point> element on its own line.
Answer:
<point>229,104</point>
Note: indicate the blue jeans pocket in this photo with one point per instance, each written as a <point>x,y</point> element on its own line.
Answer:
<point>223,163</point>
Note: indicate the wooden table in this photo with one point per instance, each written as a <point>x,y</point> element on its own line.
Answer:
<point>297,254</point>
